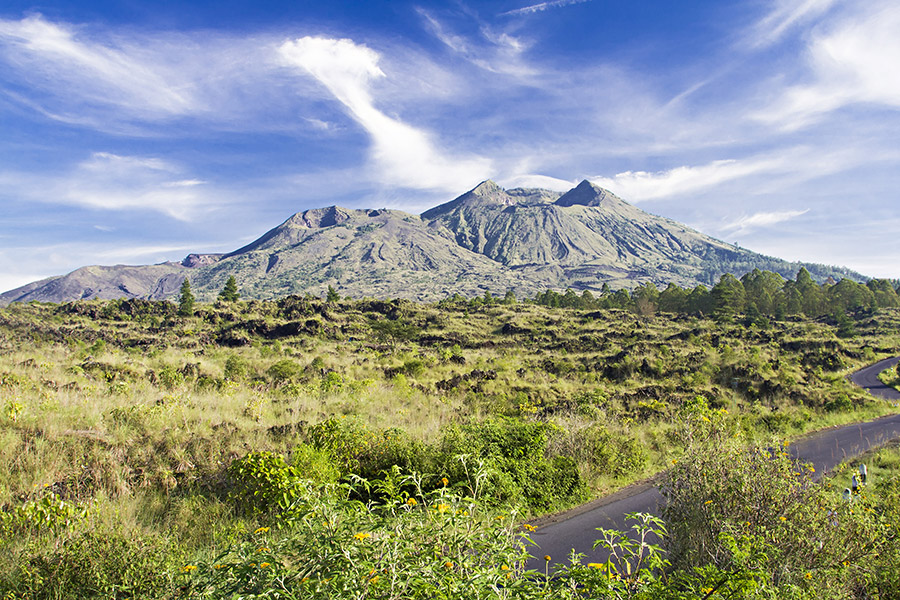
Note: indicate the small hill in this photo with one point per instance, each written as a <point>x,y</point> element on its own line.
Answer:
<point>488,239</point>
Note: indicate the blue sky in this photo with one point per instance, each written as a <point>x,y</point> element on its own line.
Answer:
<point>136,132</point>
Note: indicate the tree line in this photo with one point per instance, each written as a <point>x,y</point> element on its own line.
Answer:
<point>757,295</point>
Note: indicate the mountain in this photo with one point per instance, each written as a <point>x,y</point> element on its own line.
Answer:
<point>488,239</point>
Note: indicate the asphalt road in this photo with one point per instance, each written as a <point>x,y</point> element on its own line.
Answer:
<point>576,529</point>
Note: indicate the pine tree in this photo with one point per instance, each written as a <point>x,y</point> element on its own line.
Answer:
<point>332,295</point>
<point>230,292</point>
<point>186,302</point>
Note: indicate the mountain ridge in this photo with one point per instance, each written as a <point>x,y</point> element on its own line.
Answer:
<point>487,239</point>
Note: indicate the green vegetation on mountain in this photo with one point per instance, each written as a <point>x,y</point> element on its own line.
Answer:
<point>487,240</point>
<point>147,454</point>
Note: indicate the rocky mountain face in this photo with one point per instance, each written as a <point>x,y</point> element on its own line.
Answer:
<point>488,239</point>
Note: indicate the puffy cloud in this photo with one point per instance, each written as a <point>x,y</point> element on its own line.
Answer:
<point>403,155</point>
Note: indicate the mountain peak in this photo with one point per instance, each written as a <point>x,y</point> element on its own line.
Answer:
<point>486,187</point>
<point>486,193</point>
<point>319,217</point>
<point>587,194</point>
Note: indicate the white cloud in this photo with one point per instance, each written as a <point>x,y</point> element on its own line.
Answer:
<point>761,219</point>
<point>783,17</point>
<point>538,181</point>
<point>637,186</point>
<point>542,6</point>
<point>494,51</point>
<point>102,74</point>
<point>852,60</point>
<point>403,155</point>
<point>113,182</point>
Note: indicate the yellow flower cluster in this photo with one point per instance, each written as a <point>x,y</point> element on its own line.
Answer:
<point>188,568</point>
<point>362,536</point>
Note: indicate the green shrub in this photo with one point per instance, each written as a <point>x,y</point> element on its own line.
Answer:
<point>97,564</point>
<point>284,371</point>
<point>515,451</point>
<point>745,510</point>
<point>49,514</point>
<point>170,378</point>
<point>236,368</point>
<point>312,463</point>
<point>262,482</point>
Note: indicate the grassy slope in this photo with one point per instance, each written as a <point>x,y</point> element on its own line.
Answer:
<point>133,409</point>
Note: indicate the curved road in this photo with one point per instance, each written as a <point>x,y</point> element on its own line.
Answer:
<point>576,528</point>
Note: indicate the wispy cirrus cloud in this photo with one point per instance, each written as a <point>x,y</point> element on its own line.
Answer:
<point>135,82</point>
<point>638,186</point>
<point>541,7</point>
<point>492,50</point>
<point>761,219</point>
<point>783,17</point>
<point>402,154</point>
<point>54,54</point>
<point>851,60</point>
<point>112,182</point>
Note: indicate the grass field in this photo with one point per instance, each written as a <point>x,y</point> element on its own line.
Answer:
<point>135,443</point>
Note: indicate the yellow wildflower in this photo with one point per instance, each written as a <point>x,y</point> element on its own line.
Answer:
<point>708,502</point>
<point>374,579</point>
<point>601,566</point>
<point>547,557</point>
<point>362,536</point>
<point>448,565</point>
<point>264,565</point>
<point>188,568</point>
<point>445,481</point>
<point>529,527</point>
<point>263,549</point>
<point>504,567</point>
<point>809,575</point>
<point>411,502</point>
<point>262,530</point>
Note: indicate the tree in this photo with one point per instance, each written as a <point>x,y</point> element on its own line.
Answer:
<point>812,298</point>
<point>765,289</point>
<point>728,298</point>
<point>673,299</point>
<point>186,301</point>
<point>510,297</point>
<point>332,295</point>
<point>229,293</point>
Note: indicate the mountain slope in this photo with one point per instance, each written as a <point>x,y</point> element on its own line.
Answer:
<point>488,239</point>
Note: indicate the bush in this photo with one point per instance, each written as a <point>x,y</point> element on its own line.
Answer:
<point>516,451</point>
<point>236,367</point>
<point>284,371</point>
<point>262,482</point>
<point>96,565</point>
<point>756,511</point>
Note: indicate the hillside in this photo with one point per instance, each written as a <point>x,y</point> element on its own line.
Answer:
<point>488,239</point>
